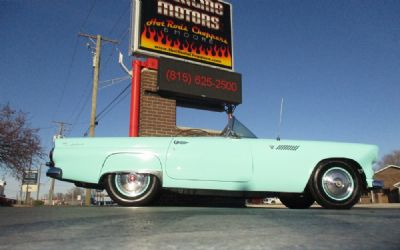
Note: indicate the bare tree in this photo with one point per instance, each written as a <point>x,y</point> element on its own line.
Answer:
<point>390,159</point>
<point>19,144</point>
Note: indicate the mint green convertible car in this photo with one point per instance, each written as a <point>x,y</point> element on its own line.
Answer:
<point>135,170</point>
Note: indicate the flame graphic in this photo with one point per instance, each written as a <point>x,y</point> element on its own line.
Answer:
<point>159,41</point>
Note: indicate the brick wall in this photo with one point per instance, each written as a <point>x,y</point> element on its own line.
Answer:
<point>157,115</point>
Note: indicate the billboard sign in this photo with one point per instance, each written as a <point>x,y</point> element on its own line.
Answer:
<point>195,30</point>
<point>189,81</point>
<point>30,177</point>
<point>29,188</point>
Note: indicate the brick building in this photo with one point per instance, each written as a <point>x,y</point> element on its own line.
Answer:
<point>390,176</point>
<point>390,193</point>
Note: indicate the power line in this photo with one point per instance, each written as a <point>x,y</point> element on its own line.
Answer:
<point>118,20</point>
<point>82,103</point>
<point>69,70</point>
<point>114,81</point>
<point>96,51</point>
<point>88,15</point>
<point>115,104</point>
<point>113,101</point>
<point>121,38</point>
<point>112,30</point>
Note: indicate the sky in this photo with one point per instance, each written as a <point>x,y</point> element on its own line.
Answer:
<point>336,64</point>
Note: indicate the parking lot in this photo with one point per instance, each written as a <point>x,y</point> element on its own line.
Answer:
<point>268,227</point>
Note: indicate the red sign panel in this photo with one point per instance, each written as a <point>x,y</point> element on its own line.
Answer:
<point>195,30</point>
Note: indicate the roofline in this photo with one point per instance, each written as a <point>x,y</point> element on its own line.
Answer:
<point>389,166</point>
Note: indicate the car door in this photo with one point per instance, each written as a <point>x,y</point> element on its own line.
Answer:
<point>210,159</point>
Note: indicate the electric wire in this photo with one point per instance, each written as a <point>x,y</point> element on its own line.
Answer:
<point>82,106</point>
<point>87,92</point>
<point>115,104</point>
<point>121,38</point>
<point>98,116</point>
<point>67,78</point>
<point>118,20</point>
<point>83,102</point>
<point>87,16</point>
<point>114,81</point>
<point>69,70</point>
<point>109,107</point>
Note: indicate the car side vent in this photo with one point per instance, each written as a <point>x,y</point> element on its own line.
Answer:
<point>287,147</point>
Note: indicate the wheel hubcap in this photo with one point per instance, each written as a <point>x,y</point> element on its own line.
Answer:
<point>132,184</point>
<point>338,183</point>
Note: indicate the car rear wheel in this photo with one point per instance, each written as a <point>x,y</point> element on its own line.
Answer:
<point>336,185</point>
<point>132,189</point>
<point>297,201</point>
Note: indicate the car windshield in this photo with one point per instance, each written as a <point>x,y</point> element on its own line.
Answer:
<point>236,129</point>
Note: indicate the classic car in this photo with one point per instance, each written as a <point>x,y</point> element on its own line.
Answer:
<point>135,170</point>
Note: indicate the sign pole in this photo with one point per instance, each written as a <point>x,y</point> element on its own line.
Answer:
<point>135,99</point>
<point>38,183</point>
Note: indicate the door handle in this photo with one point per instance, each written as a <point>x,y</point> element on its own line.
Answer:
<point>180,142</point>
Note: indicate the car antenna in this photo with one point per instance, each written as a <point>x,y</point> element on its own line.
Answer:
<point>280,121</point>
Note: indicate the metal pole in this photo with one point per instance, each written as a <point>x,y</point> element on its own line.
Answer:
<point>51,192</point>
<point>38,189</point>
<point>20,193</point>
<point>27,193</point>
<point>135,99</point>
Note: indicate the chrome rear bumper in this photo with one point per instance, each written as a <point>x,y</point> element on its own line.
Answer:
<point>377,184</point>
<point>55,173</point>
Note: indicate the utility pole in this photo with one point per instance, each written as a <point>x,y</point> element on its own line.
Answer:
<point>27,193</point>
<point>96,71</point>
<point>38,183</point>
<point>60,133</point>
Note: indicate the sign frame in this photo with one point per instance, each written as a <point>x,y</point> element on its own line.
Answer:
<point>135,40</point>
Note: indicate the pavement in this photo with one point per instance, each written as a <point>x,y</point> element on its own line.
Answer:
<point>370,206</point>
<point>275,227</point>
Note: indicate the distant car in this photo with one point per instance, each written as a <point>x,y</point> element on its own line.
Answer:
<point>269,201</point>
<point>135,170</point>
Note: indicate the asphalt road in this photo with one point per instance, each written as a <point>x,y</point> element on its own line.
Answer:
<point>198,228</point>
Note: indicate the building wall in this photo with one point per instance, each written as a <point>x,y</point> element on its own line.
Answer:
<point>157,114</point>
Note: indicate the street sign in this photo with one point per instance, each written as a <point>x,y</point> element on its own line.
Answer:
<point>30,177</point>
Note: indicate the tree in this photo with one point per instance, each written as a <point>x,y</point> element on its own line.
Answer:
<point>19,144</point>
<point>390,159</point>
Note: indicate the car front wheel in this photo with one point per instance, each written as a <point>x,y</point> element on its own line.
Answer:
<point>132,189</point>
<point>336,185</point>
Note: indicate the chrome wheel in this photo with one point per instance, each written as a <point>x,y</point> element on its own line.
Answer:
<point>132,184</point>
<point>132,189</point>
<point>338,183</point>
